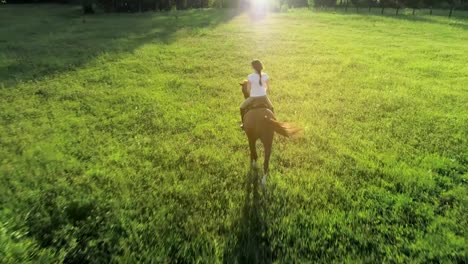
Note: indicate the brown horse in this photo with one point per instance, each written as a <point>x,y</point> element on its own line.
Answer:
<point>260,123</point>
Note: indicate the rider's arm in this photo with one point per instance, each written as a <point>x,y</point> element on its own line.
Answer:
<point>249,85</point>
<point>267,84</point>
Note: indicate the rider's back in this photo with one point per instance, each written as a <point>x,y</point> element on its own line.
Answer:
<point>257,89</point>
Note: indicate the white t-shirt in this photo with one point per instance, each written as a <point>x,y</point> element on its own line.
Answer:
<point>255,88</point>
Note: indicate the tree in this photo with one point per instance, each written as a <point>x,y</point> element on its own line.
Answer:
<point>412,4</point>
<point>358,3</point>
<point>430,4</point>
<point>453,3</point>
<point>397,6</point>
<point>371,3</point>
<point>387,3</point>
<point>324,3</point>
<point>182,4</point>
<point>87,6</point>
<point>297,3</point>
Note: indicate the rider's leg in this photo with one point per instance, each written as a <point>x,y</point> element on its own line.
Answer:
<point>270,105</point>
<point>246,102</point>
<point>242,113</point>
<point>244,106</point>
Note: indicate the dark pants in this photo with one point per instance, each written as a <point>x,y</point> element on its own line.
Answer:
<point>254,100</point>
<point>259,99</point>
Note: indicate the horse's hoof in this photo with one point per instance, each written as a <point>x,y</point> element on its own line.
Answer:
<point>264,181</point>
<point>254,164</point>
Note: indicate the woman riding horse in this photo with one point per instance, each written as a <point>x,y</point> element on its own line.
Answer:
<point>258,83</point>
<point>259,121</point>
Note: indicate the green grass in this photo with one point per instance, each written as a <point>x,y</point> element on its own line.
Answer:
<point>119,138</point>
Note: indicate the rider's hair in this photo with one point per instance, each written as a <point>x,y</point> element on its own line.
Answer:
<point>258,67</point>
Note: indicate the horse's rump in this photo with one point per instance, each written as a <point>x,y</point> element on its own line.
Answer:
<point>263,120</point>
<point>256,118</point>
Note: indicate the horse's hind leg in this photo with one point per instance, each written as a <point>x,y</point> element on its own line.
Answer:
<point>266,163</point>
<point>253,151</point>
<point>267,140</point>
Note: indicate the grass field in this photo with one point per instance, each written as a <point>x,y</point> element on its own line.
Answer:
<point>119,138</point>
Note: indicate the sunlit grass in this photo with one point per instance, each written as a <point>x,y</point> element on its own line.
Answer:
<point>119,137</point>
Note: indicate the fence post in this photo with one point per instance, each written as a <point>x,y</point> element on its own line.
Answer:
<point>451,10</point>
<point>430,12</point>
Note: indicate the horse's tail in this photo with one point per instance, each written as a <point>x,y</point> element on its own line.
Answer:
<point>284,129</point>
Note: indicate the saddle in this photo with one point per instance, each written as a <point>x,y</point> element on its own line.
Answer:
<point>258,106</point>
<point>255,105</point>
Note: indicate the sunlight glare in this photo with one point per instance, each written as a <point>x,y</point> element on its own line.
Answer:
<point>258,8</point>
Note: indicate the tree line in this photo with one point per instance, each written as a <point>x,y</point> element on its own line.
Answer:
<point>89,6</point>
<point>159,5</point>
<point>394,4</point>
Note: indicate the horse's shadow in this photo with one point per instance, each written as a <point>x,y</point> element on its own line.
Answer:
<point>252,243</point>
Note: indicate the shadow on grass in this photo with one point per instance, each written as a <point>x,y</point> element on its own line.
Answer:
<point>42,40</point>
<point>252,243</point>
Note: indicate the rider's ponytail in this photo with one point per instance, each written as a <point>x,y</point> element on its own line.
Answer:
<point>258,67</point>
